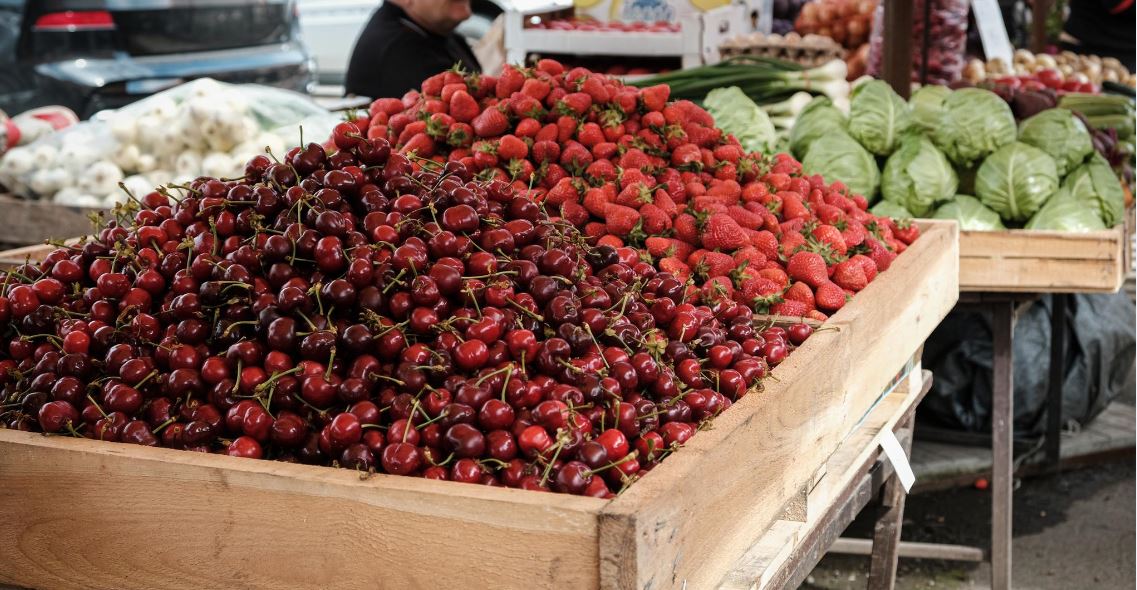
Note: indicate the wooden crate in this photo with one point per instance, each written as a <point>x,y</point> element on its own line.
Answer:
<point>77,513</point>
<point>1028,261</point>
<point>31,222</point>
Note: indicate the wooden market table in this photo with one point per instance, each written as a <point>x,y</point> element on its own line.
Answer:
<point>78,513</point>
<point>999,271</point>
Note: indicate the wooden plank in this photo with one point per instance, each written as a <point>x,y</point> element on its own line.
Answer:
<point>85,514</point>
<point>773,548</point>
<point>1021,243</point>
<point>31,222</point>
<point>1027,261</point>
<point>834,502</point>
<point>911,550</point>
<point>886,533</point>
<point>687,520</point>
<point>1002,446</point>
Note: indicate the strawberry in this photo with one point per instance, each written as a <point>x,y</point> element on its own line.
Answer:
<point>749,258</point>
<point>905,231</point>
<point>867,265</point>
<point>574,213</point>
<point>634,195</point>
<point>490,123</point>
<point>575,157</point>
<point>523,105</point>
<point>635,159</point>
<point>829,297</point>
<point>590,135</point>
<point>686,228</point>
<point>548,133</point>
<point>545,151</point>
<point>575,104</point>
<point>760,292</point>
<point>420,144</point>
<point>710,264</point>
<point>716,289</point>
<point>791,242</point>
<point>535,88</point>
<point>621,220</point>
<point>827,234</point>
<point>774,273</point>
<point>602,170</point>
<point>676,267</point>
<point>595,229</point>
<point>510,81</point>
<point>663,247</point>
<point>808,267</point>
<point>510,147</point>
<point>853,232</point>
<point>566,128</point>
<point>432,86</point>
<point>801,293</point>
<point>527,127</point>
<point>880,255</point>
<point>463,107</point>
<point>766,243</point>
<point>390,106</point>
<point>655,97</point>
<point>604,150</point>
<point>610,240</point>
<point>563,192</point>
<point>723,233</point>
<point>850,275</point>
<point>744,217</point>
<point>790,308</point>
<point>594,87</point>
<point>655,221</point>
<point>793,207</point>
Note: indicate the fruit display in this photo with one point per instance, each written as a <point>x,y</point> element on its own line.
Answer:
<point>847,22</point>
<point>1063,71</point>
<point>201,128</point>
<point>630,168</point>
<point>417,298</point>
<point>808,50</point>
<point>944,146</point>
<point>939,41</point>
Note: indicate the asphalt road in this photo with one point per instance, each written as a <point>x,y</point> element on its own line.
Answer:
<point>1071,530</point>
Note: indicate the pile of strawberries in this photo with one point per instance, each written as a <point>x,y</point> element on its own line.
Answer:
<point>632,169</point>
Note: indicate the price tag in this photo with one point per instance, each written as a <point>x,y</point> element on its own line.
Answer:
<point>899,460</point>
<point>992,31</point>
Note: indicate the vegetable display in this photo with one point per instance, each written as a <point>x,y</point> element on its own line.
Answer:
<point>846,21</point>
<point>736,114</point>
<point>1061,135</point>
<point>201,128</point>
<point>877,117</point>
<point>838,156</point>
<point>1064,212</point>
<point>429,294</point>
<point>974,123</point>
<point>918,177</point>
<point>1066,70</point>
<point>970,213</point>
<point>1016,180</point>
<point>965,142</point>
<point>764,80</point>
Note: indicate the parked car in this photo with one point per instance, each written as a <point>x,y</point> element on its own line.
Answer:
<point>331,27</point>
<point>91,55</point>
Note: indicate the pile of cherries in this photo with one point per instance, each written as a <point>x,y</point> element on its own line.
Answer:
<point>364,310</point>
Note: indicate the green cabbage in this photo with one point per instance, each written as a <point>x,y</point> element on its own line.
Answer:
<point>1095,183</point>
<point>878,117</point>
<point>970,213</point>
<point>1065,212</point>
<point>840,157</point>
<point>928,106</point>
<point>736,114</point>
<point>818,119</point>
<point>1016,180</point>
<point>1062,135</point>
<point>974,124</point>
<point>918,176</point>
<point>890,209</point>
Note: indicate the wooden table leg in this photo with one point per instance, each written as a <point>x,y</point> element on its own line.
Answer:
<point>1002,444</point>
<point>889,521</point>
<point>1057,379</point>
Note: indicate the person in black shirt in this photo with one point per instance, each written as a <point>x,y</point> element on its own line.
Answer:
<point>406,42</point>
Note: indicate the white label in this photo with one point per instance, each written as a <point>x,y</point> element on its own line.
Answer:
<point>899,460</point>
<point>992,31</point>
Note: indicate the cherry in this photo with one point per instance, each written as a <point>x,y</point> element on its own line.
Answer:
<point>400,458</point>
<point>797,333</point>
<point>57,415</point>
<point>244,446</point>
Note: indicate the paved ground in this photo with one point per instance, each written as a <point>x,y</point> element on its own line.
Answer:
<point>1073,530</point>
